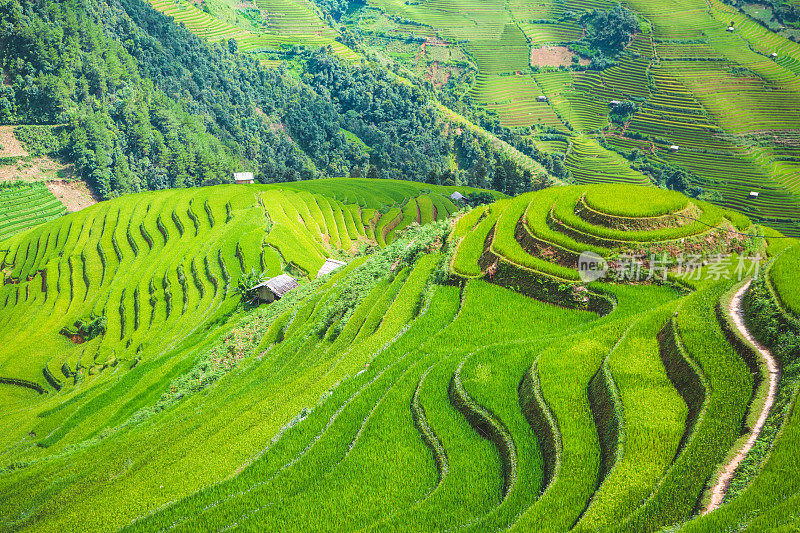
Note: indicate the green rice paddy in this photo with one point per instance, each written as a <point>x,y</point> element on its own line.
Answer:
<point>426,385</point>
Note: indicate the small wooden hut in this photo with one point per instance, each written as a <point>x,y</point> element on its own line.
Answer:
<point>329,266</point>
<point>275,288</point>
<point>241,178</point>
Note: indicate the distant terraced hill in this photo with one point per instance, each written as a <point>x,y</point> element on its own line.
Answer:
<point>291,22</point>
<point>429,385</point>
<point>171,262</point>
<point>720,97</point>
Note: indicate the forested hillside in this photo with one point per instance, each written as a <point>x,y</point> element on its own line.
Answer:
<point>143,104</point>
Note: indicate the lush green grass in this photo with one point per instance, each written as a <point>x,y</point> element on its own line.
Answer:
<point>393,394</point>
<point>783,275</point>
<point>623,201</point>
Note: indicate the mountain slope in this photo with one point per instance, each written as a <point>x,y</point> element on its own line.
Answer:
<point>393,393</point>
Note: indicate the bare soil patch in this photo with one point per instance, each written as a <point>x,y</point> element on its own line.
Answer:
<point>437,75</point>
<point>553,56</point>
<point>36,169</point>
<point>9,145</point>
<point>75,195</point>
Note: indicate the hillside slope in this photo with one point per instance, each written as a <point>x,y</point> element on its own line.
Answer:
<point>139,102</point>
<point>407,390</point>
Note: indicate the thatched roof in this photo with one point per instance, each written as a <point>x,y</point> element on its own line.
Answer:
<point>329,266</point>
<point>279,285</point>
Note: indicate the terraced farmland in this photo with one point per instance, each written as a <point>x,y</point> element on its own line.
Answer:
<point>720,97</point>
<point>291,22</point>
<point>515,100</point>
<point>439,360</point>
<point>25,206</point>
<point>544,234</point>
<point>599,355</point>
<point>83,265</point>
<point>591,163</point>
<point>782,276</point>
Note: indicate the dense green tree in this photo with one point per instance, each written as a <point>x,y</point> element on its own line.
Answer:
<point>610,31</point>
<point>145,104</point>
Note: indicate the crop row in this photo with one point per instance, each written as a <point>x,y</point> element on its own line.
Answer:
<point>25,207</point>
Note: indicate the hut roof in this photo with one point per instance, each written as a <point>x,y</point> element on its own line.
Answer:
<point>541,98</point>
<point>279,285</point>
<point>242,176</point>
<point>754,194</point>
<point>457,196</point>
<point>329,266</point>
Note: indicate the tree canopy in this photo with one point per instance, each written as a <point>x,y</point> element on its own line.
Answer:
<point>610,31</point>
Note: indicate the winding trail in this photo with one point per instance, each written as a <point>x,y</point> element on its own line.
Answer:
<point>737,315</point>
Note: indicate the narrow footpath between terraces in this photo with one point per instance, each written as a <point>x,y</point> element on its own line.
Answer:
<point>737,315</point>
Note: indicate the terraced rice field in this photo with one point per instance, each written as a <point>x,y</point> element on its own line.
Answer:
<point>407,390</point>
<point>783,275</point>
<point>544,233</point>
<point>490,33</point>
<point>23,207</point>
<point>515,100</point>
<point>460,371</point>
<point>719,96</point>
<point>101,261</point>
<point>591,163</point>
<point>291,22</point>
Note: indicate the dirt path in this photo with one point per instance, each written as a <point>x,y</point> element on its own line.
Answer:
<point>737,315</point>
